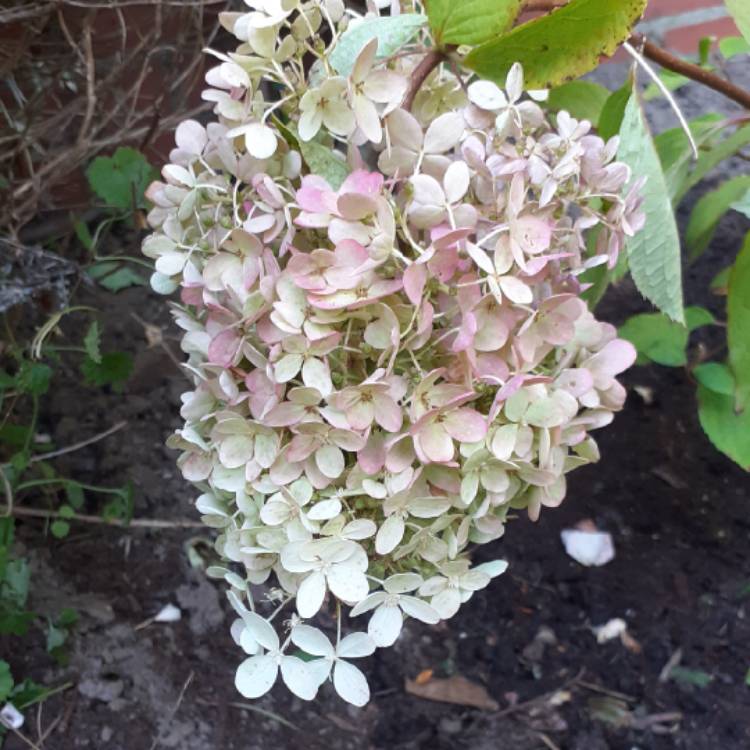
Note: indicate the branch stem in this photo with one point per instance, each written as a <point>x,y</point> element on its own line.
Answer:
<point>421,73</point>
<point>138,523</point>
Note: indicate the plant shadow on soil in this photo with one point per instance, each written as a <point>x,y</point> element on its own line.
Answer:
<point>677,509</point>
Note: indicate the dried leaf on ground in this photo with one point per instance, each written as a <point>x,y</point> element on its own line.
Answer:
<point>457,690</point>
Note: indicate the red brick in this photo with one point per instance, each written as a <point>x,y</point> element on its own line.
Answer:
<point>660,8</point>
<point>686,39</point>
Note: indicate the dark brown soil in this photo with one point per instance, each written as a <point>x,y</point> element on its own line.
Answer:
<point>678,511</point>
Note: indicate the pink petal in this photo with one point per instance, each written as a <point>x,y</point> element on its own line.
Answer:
<point>465,425</point>
<point>435,443</point>
<point>415,278</point>
<point>224,348</point>
<point>388,414</point>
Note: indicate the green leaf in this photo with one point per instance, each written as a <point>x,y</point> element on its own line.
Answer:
<point>708,212</point>
<point>325,162</point>
<point>657,339</point>
<point>33,378</point>
<point>711,158</point>
<point>75,495</point>
<point>60,529</point>
<point>120,180</point>
<point>16,583</point>
<point>27,693</point>
<point>738,325</point>
<point>114,276</point>
<point>613,111</point>
<point>392,33</point>
<point>743,204</point>
<point>715,376</point>
<point>696,317</point>
<point>14,435</point>
<point>470,21</point>
<point>83,234</point>
<point>676,154</point>
<point>740,10</point>
<point>725,428</point>
<point>114,369</point>
<point>120,508</point>
<point>731,46</point>
<point>720,282</point>
<point>654,252</point>
<point>91,342</point>
<point>560,46</point>
<point>694,677</point>
<point>670,79</point>
<point>583,99</point>
<point>704,50</point>
<point>66,511</point>
<point>6,680</point>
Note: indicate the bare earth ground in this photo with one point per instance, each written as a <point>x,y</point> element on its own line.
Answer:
<point>679,513</point>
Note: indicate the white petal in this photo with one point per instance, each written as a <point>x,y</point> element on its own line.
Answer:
<point>350,683</point>
<point>368,603</point>
<point>287,368</point>
<point>330,460</point>
<point>256,675</point>
<point>298,678</point>
<point>456,181</point>
<point>310,594</point>
<point>480,257</point>
<point>389,534</point>
<point>311,640</point>
<point>260,141</point>
<point>515,290</point>
<point>247,643</point>
<point>190,136</point>
<point>493,568</point>
<point>347,583</point>
<point>261,630</point>
<point>355,646</point>
<point>315,374</point>
<point>325,510</point>
<point>447,602</point>
<point>486,95</point>
<point>444,133</point>
<point>385,625</point>
<point>419,610</point>
<point>514,82</point>
<point>403,582</point>
<point>427,190</point>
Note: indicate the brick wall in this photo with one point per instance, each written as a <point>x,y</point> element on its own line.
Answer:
<point>680,24</point>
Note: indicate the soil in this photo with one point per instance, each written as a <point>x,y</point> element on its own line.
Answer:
<point>677,509</point>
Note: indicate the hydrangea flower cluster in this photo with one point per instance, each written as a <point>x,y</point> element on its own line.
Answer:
<point>389,349</point>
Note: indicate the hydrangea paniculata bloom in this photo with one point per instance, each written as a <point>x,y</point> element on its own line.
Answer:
<point>389,350</point>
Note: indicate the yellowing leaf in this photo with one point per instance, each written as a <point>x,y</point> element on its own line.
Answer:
<point>562,45</point>
<point>470,21</point>
<point>654,252</point>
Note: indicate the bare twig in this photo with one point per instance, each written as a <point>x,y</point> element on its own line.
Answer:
<point>692,71</point>
<point>175,709</point>
<point>90,81</point>
<point>136,523</point>
<point>77,446</point>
